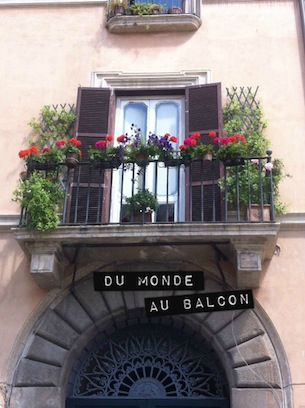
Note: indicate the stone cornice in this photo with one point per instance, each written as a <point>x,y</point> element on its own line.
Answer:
<point>247,246</point>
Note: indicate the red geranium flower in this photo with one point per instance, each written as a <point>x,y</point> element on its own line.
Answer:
<point>193,142</point>
<point>60,144</point>
<point>187,141</point>
<point>23,153</point>
<point>212,134</point>
<point>101,144</point>
<point>182,147</point>
<point>109,138</point>
<point>167,135</point>
<point>34,150</point>
<point>196,135</point>
<point>216,140</point>
<point>46,149</point>
<point>173,139</point>
<point>75,142</point>
<point>122,139</point>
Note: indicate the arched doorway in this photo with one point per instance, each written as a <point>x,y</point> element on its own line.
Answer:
<point>151,366</point>
<point>53,347</point>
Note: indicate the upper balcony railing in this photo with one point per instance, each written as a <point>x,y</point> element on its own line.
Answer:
<point>178,191</point>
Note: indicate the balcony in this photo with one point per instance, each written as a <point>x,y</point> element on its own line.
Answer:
<point>203,208</point>
<point>145,17</point>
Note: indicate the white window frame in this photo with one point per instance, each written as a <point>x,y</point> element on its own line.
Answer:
<point>151,102</point>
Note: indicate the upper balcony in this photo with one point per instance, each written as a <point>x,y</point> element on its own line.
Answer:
<point>199,206</point>
<point>148,17</point>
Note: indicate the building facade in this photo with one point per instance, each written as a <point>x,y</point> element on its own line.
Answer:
<point>63,344</point>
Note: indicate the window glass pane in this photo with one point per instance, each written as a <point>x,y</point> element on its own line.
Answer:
<point>167,121</point>
<point>135,113</point>
<point>167,118</point>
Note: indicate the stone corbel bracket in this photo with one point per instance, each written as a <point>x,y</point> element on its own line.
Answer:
<point>47,263</point>
<point>248,257</point>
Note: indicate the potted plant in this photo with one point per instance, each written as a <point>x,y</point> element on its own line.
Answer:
<point>164,149</point>
<point>41,197</point>
<point>145,9</point>
<point>187,149</point>
<point>141,205</point>
<point>71,151</point>
<point>203,152</point>
<point>117,7</point>
<point>231,149</point>
<point>105,155</point>
<point>136,149</point>
<point>46,159</point>
<point>156,8</point>
<point>175,10</point>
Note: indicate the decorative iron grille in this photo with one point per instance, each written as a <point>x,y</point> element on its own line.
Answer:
<point>150,362</point>
<point>246,97</point>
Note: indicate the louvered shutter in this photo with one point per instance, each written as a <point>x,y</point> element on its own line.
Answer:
<point>90,187</point>
<point>203,114</point>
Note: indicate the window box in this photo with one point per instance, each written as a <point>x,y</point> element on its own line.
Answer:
<point>153,23</point>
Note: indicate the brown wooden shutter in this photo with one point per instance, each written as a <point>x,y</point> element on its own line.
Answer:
<point>203,114</point>
<point>90,188</point>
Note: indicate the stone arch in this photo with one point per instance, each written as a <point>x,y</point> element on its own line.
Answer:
<point>245,341</point>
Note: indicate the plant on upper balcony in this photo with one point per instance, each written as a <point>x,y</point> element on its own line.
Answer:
<point>144,9</point>
<point>41,197</point>
<point>117,7</point>
<point>105,154</point>
<point>141,202</point>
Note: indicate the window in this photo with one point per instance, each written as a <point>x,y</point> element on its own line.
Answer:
<point>157,115</point>
<point>179,111</point>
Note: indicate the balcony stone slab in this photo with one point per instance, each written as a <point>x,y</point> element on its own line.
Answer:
<point>244,245</point>
<point>153,23</point>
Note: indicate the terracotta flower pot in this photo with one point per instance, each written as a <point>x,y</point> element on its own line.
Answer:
<point>208,157</point>
<point>139,219</point>
<point>72,160</point>
<point>254,213</point>
<point>175,10</point>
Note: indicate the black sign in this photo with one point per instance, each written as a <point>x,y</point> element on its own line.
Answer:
<point>108,281</point>
<point>201,302</point>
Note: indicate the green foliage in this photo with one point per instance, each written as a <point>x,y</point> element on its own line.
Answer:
<point>143,9</point>
<point>106,154</point>
<point>199,151</point>
<point>143,201</point>
<point>143,152</point>
<point>231,151</point>
<point>41,196</point>
<point>253,178</point>
<point>250,122</point>
<point>52,124</point>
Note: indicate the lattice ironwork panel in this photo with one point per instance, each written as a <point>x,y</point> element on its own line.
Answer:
<point>150,362</point>
<point>247,98</point>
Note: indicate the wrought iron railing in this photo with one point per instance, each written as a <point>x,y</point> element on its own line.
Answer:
<point>185,191</point>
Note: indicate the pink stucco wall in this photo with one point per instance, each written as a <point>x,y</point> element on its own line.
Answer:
<point>47,52</point>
